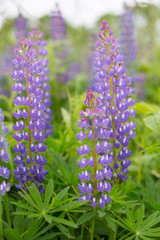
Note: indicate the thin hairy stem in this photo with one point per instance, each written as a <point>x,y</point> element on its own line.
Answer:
<point>29,115</point>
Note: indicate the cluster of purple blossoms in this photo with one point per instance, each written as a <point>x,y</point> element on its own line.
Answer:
<point>96,157</point>
<point>58,28</point>
<point>110,128</point>
<point>39,44</point>
<point>128,48</point>
<point>30,125</point>
<point>4,171</point>
<point>20,27</point>
<point>115,92</point>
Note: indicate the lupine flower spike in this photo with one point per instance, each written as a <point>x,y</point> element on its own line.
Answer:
<point>115,89</point>
<point>58,28</point>
<point>20,27</point>
<point>4,157</point>
<point>39,44</point>
<point>96,158</point>
<point>128,47</point>
<point>30,125</point>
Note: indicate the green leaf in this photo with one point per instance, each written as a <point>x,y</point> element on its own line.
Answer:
<point>65,222</point>
<point>153,122</point>
<point>49,236</point>
<point>7,209</point>
<point>101,213</point>
<point>62,193</point>
<point>87,216</point>
<point>140,216</point>
<point>70,206</point>
<point>27,197</point>
<point>150,221</point>
<point>48,218</point>
<point>35,194</point>
<point>13,234</point>
<point>18,222</point>
<point>34,228</point>
<point>149,185</point>
<point>44,230</point>
<point>66,117</point>
<point>63,229</point>
<point>48,192</point>
<point>25,206</point>
<point>146,238</point>
<point>130,238</point>
<point>110,222</point>
<point>143,107</point>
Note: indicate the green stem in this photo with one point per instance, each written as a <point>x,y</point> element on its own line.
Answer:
<point>82,231</point>
<point>124,237</point>
<point>1,226</point>
<point>92,229</point>
<point>6,206</point>
<point>75,190</point>
<point>112,105</point>
<point>115,233</point>
<point>29,117</point>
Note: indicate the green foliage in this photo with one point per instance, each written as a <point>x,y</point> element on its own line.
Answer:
<point>138,226</point>
<point>134,212</point>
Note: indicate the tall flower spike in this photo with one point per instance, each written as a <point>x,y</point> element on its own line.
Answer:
<point>20,27</point>
<point>30,125</point>
<point>39,44</point>
<point>115,89</point>
<point>95,184</point>
<point>128,48</point>
<point>58,28</point>
<point>4,157</point>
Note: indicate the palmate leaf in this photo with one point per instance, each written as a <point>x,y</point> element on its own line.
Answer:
<point>40,209</point>
<point>137,226</point>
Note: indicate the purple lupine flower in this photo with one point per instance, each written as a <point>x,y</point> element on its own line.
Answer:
<point>30,125</point>
<point>115,89</point>
<point>36,40</point>
<point>140,85</point>
<point>95,183</point>
<point>128,47</point>
<point>20,27</point>
<point>4,171</point>
<point>58,28</point>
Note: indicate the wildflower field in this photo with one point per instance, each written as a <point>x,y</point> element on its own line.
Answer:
<point>80,127</point>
